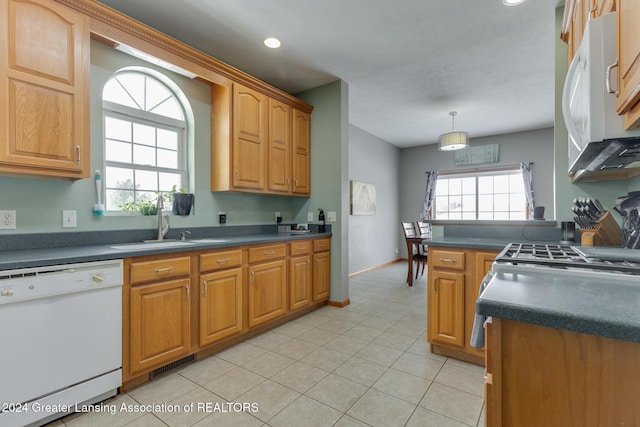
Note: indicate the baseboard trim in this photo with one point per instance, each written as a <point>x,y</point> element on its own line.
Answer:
<point>368,270</point>
<point>339,304</point>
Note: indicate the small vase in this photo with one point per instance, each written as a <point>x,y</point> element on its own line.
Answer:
<point>182,203</point>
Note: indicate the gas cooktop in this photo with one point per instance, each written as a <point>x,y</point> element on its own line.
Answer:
<point>618,260</point>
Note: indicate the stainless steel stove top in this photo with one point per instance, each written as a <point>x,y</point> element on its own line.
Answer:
<point>566,257</point>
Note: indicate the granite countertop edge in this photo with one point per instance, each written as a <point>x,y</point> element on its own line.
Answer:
<point>28,258</point>
<point>609,328</point>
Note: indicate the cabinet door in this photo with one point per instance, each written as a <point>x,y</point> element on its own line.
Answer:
<point>220,305</point>
<point>279,148</point>
<point>321,275</point>
<point>299,282</point>
<point>301,153</point>
<point>44,89</point>
<point>628,59</point>
<point>267,291</point>
<point>249,138</point>
<point>446,305</point>
<point>159,323</point>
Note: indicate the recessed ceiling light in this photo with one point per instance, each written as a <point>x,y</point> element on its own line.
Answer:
<point>512,2</point>
<point>272,42</point>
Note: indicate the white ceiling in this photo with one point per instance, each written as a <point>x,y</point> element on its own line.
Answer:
<point>407,62</point>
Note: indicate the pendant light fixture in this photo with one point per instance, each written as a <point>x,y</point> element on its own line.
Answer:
<point>453,140</point>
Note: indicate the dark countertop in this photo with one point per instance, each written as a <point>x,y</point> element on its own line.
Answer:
<point>481,242</point>
<point>25,258</point>
<point>588,302</point>
<point>469,242</point>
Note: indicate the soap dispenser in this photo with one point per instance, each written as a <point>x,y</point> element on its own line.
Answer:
<point>321,227</point>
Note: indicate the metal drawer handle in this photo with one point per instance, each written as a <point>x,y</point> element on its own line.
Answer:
<point>304,248</point>
<point>269,252</point>
<point>78,152</point>
<point>435,284</point>
<point>449,260</point>
<point>221,260</point>
<point>188,292</point>
<point>206,285</point>
<point>253,277</point>
<point>322,245</point>
<point>160,270</point>
<point>308,265</point>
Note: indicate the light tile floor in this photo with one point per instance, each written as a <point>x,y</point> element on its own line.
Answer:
<point>367,364</point>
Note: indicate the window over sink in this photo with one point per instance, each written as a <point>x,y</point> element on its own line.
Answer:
<point>145,137</point>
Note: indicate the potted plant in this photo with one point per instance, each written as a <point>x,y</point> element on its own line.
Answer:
<point>145,207</point>
<point>182,201</point>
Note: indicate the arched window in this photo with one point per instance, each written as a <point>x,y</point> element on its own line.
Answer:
<point>145,138</point>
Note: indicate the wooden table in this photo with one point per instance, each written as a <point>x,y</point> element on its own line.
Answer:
<point>411,243</point>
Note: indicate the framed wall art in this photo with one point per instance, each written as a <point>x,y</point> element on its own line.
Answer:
<point>363,198</point>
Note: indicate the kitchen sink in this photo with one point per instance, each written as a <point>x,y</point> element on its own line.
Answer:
<point>209,240</point>
<point>151,245</point>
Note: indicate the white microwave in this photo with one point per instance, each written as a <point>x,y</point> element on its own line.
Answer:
<point>597,139</point>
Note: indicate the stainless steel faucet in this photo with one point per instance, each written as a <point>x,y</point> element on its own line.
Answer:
<point>163,229</point>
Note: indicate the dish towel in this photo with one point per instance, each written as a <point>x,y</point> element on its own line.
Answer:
<point>477,333</point>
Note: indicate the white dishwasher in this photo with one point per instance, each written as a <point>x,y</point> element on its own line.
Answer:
<point>61,341</point>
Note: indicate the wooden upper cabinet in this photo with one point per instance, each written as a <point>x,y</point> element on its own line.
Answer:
<point>301,153</point>
<point>259,144</point>
<point>44,92</point>
<point>279,147</point>
<point>249,138</point>
<point>629,61</point>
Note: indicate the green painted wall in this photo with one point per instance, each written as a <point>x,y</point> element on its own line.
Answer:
<point>329,182</point>
<point>39,202</point>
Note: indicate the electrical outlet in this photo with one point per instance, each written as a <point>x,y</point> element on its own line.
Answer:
<point>310,216</point>
<point>277,215</point>
<point>222,218</point>
<point>331,217</point>
<point>69,219</point>
<point>7,220</point>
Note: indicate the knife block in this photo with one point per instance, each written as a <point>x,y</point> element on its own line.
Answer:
<point>606,233</point>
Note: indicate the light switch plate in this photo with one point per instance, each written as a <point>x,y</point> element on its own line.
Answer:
<point>7,220</point>
<point>69,219</point>
<point>331,217</point>
<point>310,216</point>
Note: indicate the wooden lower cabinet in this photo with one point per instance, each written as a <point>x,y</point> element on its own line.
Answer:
<point>321,287</point>
<point>220,305</point>
<point>180,306</point>
<point>454,278</point>
<point>539,376</point>
<point>300,275</point>
<point>447,308</point>
<point>267,291</point>
<point>159,323</point>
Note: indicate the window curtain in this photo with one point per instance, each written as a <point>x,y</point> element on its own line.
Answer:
<point>530,195</point>
<point>427,207</point>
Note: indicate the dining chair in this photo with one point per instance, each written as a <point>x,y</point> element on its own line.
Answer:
<point>414,255</point>
<point>424,231</point>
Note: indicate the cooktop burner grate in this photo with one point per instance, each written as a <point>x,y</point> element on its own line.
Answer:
<point>562,256</point>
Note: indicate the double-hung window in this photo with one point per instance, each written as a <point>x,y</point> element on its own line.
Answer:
<point>145,139</point>
<point>490,195</point>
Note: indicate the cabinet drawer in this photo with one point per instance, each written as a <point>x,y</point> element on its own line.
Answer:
<point>220,260</point>
<point>300,248</point>
<point>452,260</point>
<point>264,253</point>
<point>321,245</point>
<point>159,269</point>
